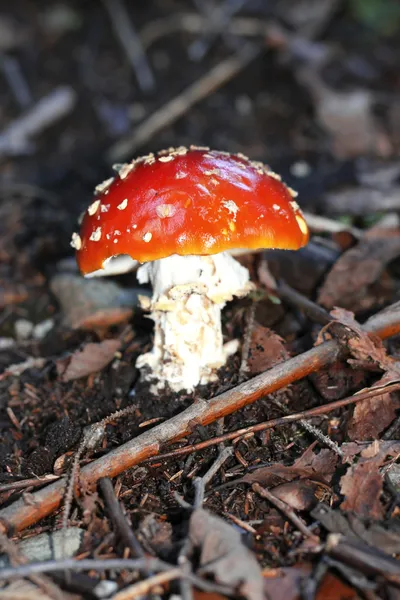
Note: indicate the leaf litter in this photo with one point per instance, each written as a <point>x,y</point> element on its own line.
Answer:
<point>65,378</point>
<point>90,359</point>
<point>223,554</point>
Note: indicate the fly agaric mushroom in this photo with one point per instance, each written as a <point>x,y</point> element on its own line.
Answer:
<point>180,213</point>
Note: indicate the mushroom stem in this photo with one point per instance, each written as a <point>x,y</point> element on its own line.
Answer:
<point>189,293</point>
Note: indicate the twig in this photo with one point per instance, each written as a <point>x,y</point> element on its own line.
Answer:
<point>287,511</point>
<point>364,558</point>
<point>240,523</point>
<point>178,106</point>
<point>143,565</point>
<point>222,457</point>
<point>314,431</point>
<point>56,105</point>
<point>249,431</point>
<point>218,19</point>
<point>185,585</point>
<point>319,223</point>
<point>199,492</point>
<point>315,312</point>
<point>131,44</point>
<point>325,440</point>
<point>24,483</point>
<point>194,23</point>
<point>118,519</point>
<point>202,412</point>
<point>15,79</point>
<point>143,588</point>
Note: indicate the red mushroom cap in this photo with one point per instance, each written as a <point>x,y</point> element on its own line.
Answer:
<point>185,202</point>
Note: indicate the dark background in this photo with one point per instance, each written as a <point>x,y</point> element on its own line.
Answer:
<point>82,64</point>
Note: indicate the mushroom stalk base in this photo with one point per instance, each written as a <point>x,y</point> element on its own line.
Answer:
<point>189,293</point>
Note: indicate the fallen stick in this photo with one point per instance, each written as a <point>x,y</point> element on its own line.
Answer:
<point>178,106</point>
<point>15,138</point>
<point>278,421</point>
<point>364,558</point>
<point>20,515</point>
<point>126,35</point>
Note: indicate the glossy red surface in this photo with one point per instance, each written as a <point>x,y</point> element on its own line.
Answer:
<point>189,202</point>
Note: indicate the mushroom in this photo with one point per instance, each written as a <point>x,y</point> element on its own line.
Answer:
<point>180,213</point>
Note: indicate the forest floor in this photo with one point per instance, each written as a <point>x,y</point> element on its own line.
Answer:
<point>281,479</point>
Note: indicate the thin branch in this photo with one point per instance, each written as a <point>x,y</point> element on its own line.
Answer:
<point>286,510</point>
<point>144,565</point>
<point>312,309</point>
<point>279,421</point>
<point>130,43</point>
<point>218,20</point>
<point>178,106</point>
<point>325,440</point>
<point>364,558</point>
<point>25,483</point>
<point>118,518</point>
<point>144,588</point>
<point>202,412</point>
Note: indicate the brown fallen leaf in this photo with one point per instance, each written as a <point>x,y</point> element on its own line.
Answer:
<point>362,487</point>
<point>353,449</point>
<point>333,588</point>
<point>347,116</point>
<point>266,349</point>
<point>102,320</point>
<point>223,555</point>
<point>91,358</point>
<point>338,380</point>
<point>362,484</point>
<point>303,494</point>
<point>358,281</point>
<point>373,416</point>
<point>288,584</point>
<point>199,595</point>
<point>318,467</point>
<point>366,348</point>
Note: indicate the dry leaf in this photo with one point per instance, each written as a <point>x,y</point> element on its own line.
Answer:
<point>92,358</point>
<point>266,350</point>
<point>357,281</point>
<point>223,555</point>
<point>347,116</point>
<point>318,467</point>
<point>288,584</point>
<point>373,416</point>
<point>337,381</point>
<point>365,346</point>
<point>299,495</point>
<point>362,485</point>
